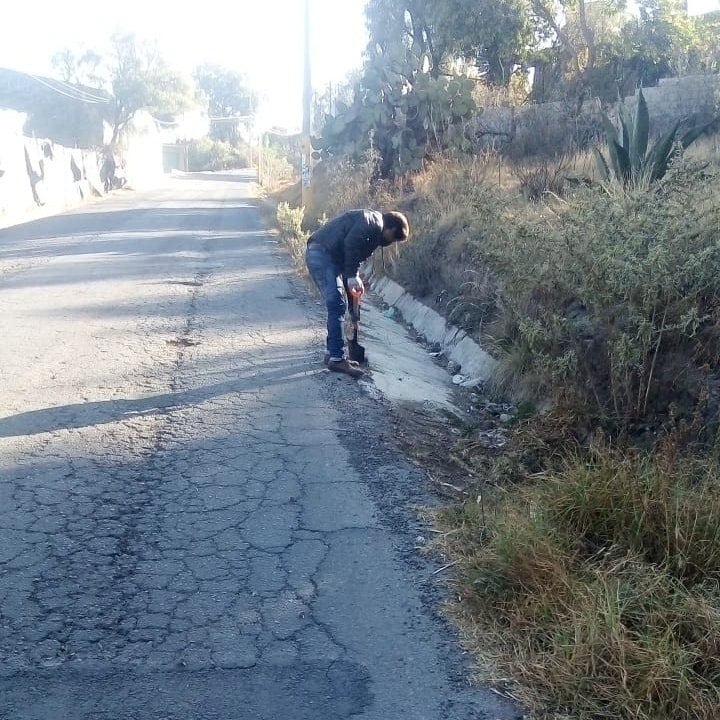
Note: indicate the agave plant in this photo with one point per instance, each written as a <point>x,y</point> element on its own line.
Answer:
<point>630,160</point>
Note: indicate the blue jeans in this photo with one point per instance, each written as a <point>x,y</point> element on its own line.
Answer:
<point>328,279</point>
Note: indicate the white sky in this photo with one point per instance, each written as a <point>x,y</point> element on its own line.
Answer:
<point>261,38</point>
<point>702,6</point>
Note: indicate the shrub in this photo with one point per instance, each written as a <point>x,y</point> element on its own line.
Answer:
<point>540,179</point>
<point>290,221</point>
<point>608,296</point>
<point>208,154</point>
<point>276,169</point>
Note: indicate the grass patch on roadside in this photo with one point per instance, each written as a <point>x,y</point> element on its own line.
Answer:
<point>595,587</point>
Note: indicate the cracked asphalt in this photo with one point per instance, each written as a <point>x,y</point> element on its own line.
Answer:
<point>197,521</point>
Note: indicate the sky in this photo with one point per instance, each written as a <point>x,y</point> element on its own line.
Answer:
<point>260,38</point>
<point>696,7</point>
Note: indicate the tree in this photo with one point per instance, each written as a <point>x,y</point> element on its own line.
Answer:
<point>65,63</point>
<point>396,26</point>
<point>229,98</point>
<point>709,47</point>
<point>134,75</point>
<point>141,79</point>
<point>413,101</point>
<point>492,34</point>
<point>578,42</point>
<point>80,67</point>
<point>666,41</point>
<point>404,114</point>
<point>598,49</point>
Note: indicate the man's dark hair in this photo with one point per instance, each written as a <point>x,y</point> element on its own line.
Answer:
<point>398,223</point>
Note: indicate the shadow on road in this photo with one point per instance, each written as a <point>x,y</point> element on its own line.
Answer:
<point>88,414</point>
<point>243,176</point>
<point>74,227</point>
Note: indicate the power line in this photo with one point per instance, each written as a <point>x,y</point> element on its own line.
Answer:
<point>79,95</point>
<point>79,91</point>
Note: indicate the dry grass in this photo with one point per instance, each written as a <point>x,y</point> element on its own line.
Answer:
<point>705,150</point>
<point>666,515</point>
<point>339,186</point>
<point>596,589</point>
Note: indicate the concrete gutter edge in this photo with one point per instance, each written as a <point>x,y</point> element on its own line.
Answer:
<point>476,365</point>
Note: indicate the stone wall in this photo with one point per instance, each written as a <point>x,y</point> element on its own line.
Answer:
<point>532,129</point>
<point>39,174</point>
<point>695,97</point>
<point>36,173</point>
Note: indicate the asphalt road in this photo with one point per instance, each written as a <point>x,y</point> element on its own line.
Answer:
<point>197,521</point>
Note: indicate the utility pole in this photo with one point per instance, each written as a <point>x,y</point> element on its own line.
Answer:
<point>261,159</point>
<point>306,172</point>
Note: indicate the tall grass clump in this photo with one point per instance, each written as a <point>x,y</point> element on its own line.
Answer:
<point>454,205</point>
<point>290,221</point>
<point>597,587</point>
<point>342,185</point>
<point>612,298</point>
<point>276,170</point>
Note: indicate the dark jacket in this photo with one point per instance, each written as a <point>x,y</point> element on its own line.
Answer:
<point>351,238</point>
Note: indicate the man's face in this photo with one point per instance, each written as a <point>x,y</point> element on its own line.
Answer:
<point>389,235</point>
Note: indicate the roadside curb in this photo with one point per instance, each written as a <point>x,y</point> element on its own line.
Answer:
<point>476,364</point>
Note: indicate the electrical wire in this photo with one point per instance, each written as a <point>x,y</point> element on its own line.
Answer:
<point>79,91</point>
<point>77,94</point>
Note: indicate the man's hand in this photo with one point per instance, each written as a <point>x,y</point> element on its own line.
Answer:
<point>355,287</point>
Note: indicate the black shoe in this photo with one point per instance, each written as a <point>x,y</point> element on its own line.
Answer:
<point>344,366</point>
<point>326,360</point>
